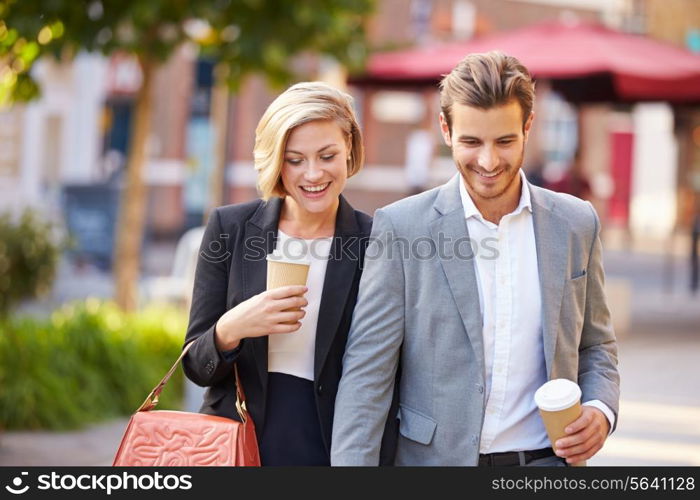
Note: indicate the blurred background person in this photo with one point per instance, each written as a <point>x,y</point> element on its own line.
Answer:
<point>420,147</point>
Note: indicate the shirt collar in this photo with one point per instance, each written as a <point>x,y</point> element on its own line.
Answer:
<point>470,209</point>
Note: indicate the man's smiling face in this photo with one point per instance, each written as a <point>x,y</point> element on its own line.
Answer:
<point>488,147</point>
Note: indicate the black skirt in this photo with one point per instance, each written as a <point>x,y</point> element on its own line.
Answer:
<point>292,433</point>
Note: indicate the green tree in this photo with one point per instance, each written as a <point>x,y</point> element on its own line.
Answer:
<point>244,36</point>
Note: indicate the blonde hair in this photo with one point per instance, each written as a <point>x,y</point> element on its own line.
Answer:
<point>485,81</point>
<point>299,104</point>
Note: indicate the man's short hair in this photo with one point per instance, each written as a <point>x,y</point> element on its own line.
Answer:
<point>486,81</point>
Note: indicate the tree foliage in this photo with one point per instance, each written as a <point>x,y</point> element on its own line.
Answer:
<point>246,35</point>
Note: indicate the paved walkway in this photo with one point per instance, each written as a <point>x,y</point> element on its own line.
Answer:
<point>96,445</point>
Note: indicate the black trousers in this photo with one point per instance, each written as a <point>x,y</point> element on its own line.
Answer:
<point>292,433</point>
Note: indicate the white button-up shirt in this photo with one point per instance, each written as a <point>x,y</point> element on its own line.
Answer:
<point>511,306</point>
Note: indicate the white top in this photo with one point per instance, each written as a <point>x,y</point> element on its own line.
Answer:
<point>511,306</point>
<point>293,353</point>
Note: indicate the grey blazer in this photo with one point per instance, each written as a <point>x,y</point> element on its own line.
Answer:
<point>424,312</point>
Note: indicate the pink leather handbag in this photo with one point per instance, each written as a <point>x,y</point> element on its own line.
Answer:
<point>162,438</point>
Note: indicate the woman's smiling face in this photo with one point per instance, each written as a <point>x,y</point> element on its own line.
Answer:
<point>315,166</point>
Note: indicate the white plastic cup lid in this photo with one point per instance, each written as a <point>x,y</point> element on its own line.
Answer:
<point>558,394</point>
<point>278,257</point>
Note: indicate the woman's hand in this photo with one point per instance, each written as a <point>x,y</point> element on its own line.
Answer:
<point>260,315</point>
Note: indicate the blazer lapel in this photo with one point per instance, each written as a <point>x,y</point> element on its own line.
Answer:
<point>260,230</point>
<point>551,241</point>
<point>459,269</point>
<point>343,263</point>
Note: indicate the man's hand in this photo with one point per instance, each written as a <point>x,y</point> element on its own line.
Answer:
<point>585,436</point>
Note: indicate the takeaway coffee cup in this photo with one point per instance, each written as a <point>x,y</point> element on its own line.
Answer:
<point>282,271</point>
<point>559,401</point>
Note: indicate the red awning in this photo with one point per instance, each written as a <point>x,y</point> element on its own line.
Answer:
<point>640,68</point>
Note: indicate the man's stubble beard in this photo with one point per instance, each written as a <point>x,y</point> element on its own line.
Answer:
<point>510,170</point>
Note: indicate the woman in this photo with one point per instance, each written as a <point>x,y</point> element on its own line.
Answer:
<point>307,144</point>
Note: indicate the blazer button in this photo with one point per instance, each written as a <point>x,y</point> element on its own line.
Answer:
<point>480,389</point>
<point>319,389</point>
<point>475,439</point>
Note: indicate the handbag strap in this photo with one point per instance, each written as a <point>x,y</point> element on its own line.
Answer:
<point>152,400</point>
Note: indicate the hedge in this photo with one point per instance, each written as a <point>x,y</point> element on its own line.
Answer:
<point>86,363</point>
<point>29,253</point>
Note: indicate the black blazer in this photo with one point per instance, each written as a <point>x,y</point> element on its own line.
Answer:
<point>231,268</point>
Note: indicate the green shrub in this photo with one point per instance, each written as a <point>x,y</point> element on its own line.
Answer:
<point>28,258</point>
<point>86,363</point>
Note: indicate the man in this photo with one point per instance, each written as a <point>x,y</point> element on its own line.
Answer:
<point>509,295</point>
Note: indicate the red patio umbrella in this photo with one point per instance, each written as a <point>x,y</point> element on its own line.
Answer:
<point>586,62</point>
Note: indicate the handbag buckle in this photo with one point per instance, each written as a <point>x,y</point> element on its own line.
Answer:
<point>241,409</point>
